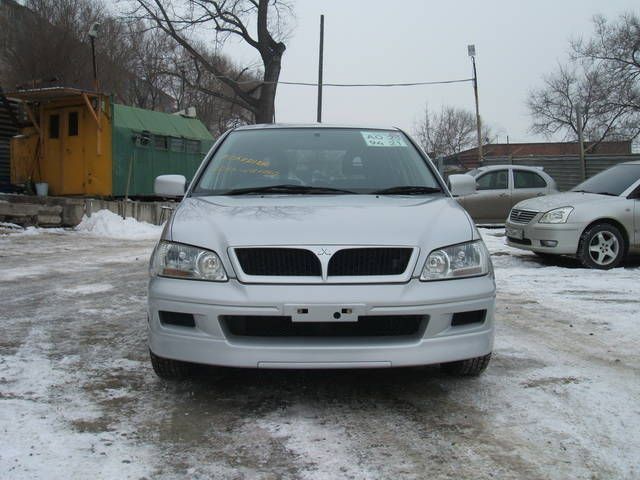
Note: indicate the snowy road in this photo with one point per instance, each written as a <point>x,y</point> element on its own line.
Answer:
<point>78,399</point>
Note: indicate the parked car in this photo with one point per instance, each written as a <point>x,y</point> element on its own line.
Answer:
<point>319,247</point>
<point>598,221</point>
<point>500,187</point>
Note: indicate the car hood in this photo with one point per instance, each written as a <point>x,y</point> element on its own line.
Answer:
<point>566,199</point>
<point>221,222</point>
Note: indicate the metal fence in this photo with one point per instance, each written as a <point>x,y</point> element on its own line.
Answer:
<point>565,169</point>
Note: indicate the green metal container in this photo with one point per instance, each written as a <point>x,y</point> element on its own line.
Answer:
<point>148,143</point>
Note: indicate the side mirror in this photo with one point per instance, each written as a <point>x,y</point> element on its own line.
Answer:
<point>462,184</point>
<point>169,185</point>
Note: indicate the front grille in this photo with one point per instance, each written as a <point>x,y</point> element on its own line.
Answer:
<point>369,261</point>
<point>278,262</point>
<point>282,326</point>
<point>521,216</point>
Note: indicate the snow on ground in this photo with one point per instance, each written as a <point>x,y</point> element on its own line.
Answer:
<point>7,228</point>
<point>611,297</point>
<point>78,398</point>
<point>105,223</point>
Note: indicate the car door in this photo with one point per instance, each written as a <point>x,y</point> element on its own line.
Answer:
<point>527,184</point>
<point>492,201</point>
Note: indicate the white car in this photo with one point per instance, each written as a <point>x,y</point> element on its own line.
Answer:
<point>598,221</point>
<point>319,247</point>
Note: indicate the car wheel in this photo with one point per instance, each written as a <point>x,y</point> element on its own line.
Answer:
<point>169,369</point>
<point>471,367</point>
<point>601,246</point>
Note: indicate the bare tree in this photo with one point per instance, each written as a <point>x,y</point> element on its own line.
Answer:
<point>602,78</point>
<point>180,19</point>
<point>449,131</point>
<point>615,45</point>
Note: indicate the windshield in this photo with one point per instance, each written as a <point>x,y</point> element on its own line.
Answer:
<point>322,159</point>
<point>613,181</point>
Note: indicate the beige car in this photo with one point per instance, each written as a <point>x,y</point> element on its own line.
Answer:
<point>500,187</point>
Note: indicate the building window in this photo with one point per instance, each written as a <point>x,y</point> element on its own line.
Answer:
<point>192,146</point>
<point>160,142</point>
<point>54,126</point>
<point>176,144</point>
<point>73,124</point>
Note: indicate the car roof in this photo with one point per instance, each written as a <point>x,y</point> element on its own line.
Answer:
<point>488,168</point>
<point>269,126</point>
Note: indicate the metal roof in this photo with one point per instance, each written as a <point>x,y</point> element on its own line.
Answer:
<point>159,123</point>
<point>48,93</point>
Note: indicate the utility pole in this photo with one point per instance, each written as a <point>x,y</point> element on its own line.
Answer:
<point>93,33</point>
<point>471,50</point>
<point>583,163</point>
<point>320,57</point>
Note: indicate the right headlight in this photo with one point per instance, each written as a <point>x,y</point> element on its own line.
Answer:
<point>177,260</point>
<point>469,259</point>
<point>557,215</point>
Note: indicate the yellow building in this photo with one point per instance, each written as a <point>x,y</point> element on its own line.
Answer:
<point>69,144</point>
<point>81,143</point>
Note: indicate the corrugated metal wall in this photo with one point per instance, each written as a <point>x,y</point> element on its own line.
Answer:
<point>565,169</point>
<point>7,130</point>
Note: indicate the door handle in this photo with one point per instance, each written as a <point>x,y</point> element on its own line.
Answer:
<point>503,194</point>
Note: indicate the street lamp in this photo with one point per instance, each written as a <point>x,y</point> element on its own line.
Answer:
<point>93,34</point>
<point>471,51</point>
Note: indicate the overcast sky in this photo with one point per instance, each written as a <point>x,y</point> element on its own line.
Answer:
<point>417,40</point>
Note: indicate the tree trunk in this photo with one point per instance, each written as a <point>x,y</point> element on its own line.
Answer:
<point>265,112</point>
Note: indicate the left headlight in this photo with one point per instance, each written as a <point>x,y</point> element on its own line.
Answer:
<point>557,215</point>
<point>176,260</point>
<point>469,259</point>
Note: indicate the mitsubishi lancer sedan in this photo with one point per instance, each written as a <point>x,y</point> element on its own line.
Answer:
<point>598,221</point>
<point>319,247</point>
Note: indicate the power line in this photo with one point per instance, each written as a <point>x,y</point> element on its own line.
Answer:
<point>402,84</point>
<point>314,84</point>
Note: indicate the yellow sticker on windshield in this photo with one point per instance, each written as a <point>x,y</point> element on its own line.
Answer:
<point>383,139</point>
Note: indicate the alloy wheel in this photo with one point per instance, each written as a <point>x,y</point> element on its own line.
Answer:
<point>604,248</point>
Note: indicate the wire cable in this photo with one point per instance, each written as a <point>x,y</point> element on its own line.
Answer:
<point>328,84</point>
<point>402,84</point>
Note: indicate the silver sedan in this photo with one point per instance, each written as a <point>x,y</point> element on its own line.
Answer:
<point>598,221</point>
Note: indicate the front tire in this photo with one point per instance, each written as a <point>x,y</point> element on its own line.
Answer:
<point>602,246</point>
<point>169,369</point>
<point>471,367</point>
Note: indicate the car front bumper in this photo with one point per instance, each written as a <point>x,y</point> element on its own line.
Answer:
<point>209,343</point>
<point>536,236</point>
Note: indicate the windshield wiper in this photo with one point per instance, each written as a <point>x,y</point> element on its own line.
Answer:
<point>287,188</point>
<point>407,190</point>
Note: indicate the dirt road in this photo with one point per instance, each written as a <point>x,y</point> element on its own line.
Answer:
<point>78,398</point>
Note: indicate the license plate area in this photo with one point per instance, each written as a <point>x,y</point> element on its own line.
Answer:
<point>324,313</point>
<point>514,233</point>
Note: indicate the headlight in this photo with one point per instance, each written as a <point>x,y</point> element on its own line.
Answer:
<point>470,259</point>
<point>183,261</point>
<point>557,215</point>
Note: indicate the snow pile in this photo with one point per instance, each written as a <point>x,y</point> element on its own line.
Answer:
<point>7,228</point>
<point>105,223</point>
